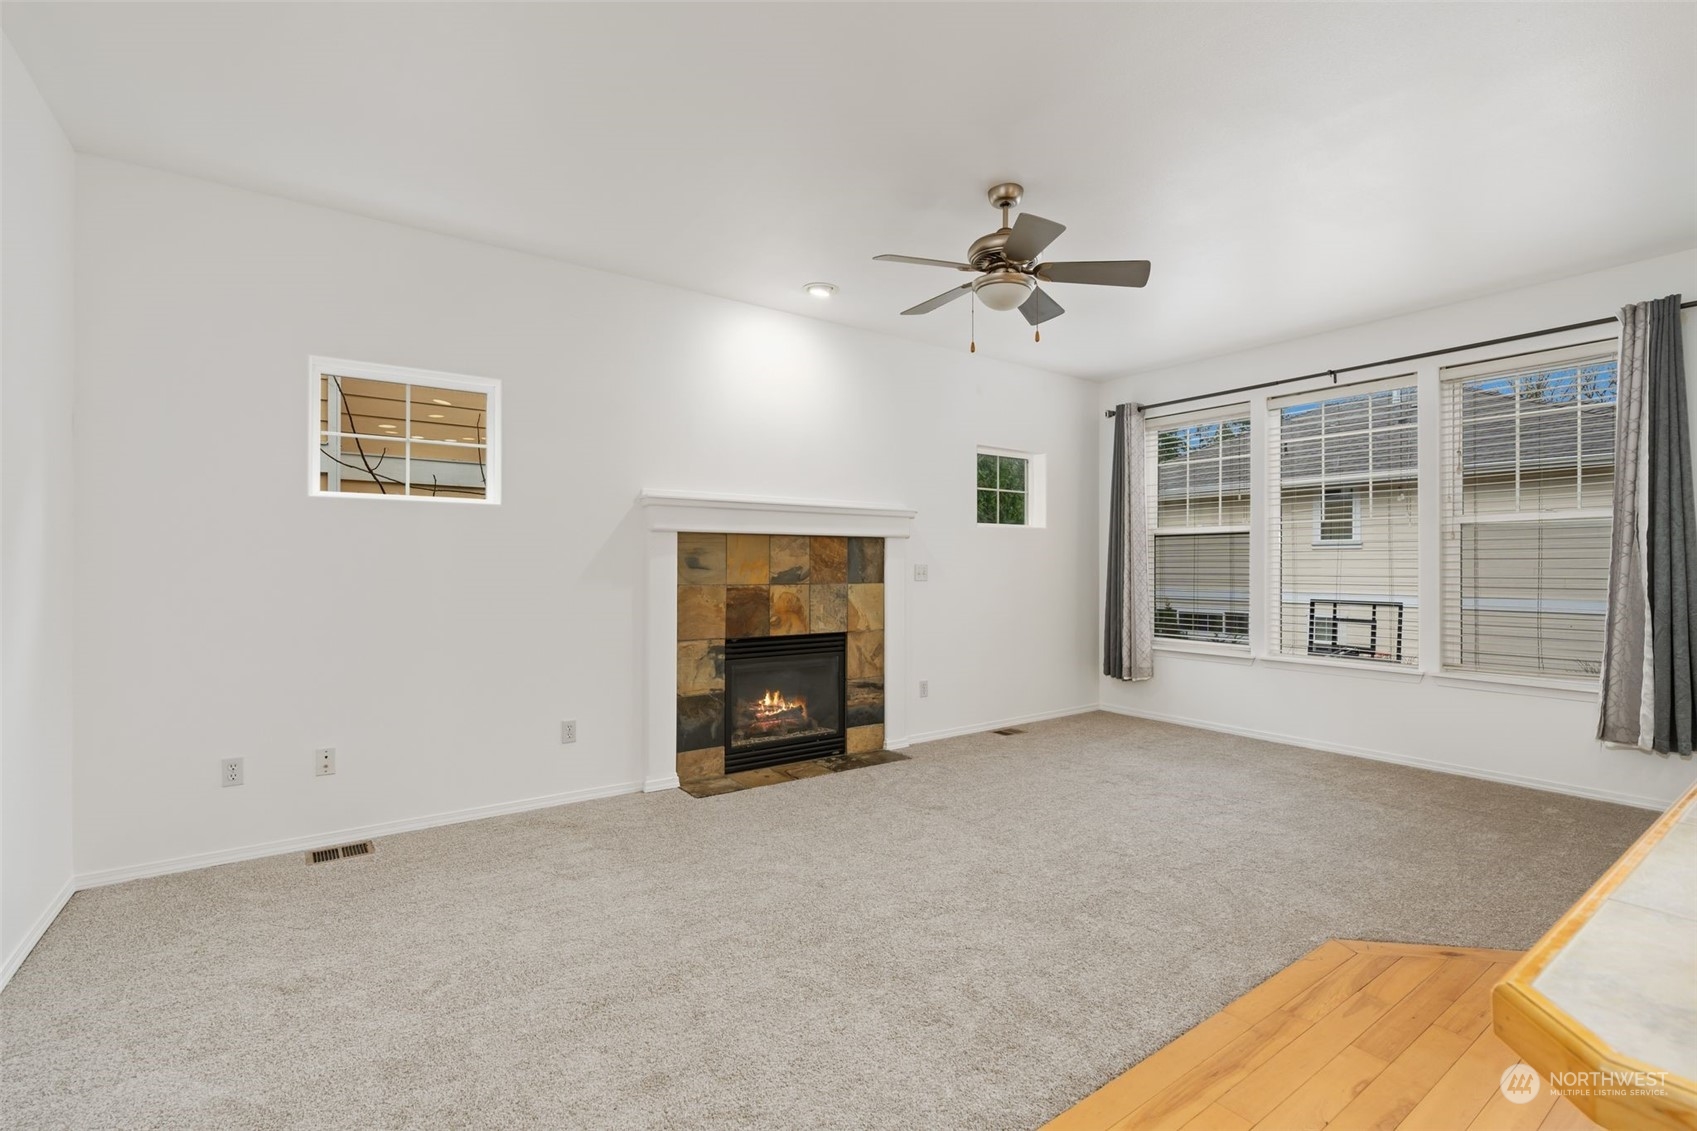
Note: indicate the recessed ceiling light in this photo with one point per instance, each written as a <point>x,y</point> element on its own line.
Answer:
<point>390,427</point>
<point>821,290</point>
<point>436,416</point>
<point>439,400</point>
<point>469,439</point>
<point>418,437</point>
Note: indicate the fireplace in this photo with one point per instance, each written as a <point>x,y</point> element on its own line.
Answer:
<point>807,612</point>
<point>786,699</point>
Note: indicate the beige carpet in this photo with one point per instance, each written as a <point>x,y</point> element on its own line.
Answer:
<point>975,938</point>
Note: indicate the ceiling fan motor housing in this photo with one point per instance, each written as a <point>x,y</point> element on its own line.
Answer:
<point>986,251</point>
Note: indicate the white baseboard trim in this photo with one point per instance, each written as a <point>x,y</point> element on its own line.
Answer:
<point>36,930</point>
<point>1636,800</point>
<point>659,785</point>
<point>980,728</point>
<point>339,836</point>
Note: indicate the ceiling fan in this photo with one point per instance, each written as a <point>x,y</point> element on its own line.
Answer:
<point>1008,270</point>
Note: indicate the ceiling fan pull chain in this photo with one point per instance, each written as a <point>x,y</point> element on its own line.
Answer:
<point>972,336</point>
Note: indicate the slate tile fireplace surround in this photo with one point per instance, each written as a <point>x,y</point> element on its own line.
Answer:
<point>780,649</point>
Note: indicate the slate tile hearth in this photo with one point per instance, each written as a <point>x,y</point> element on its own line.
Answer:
<point>720,784</point>
<point>733,586</point>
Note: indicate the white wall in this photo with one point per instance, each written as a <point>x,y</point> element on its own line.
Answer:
<point>1541,739</point>
<point>36,472</point>
<point>222,612</point>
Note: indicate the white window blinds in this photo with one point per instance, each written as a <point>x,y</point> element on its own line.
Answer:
<point>1345,524</point>
<point>1528,482</point>
<point>1199,478</point>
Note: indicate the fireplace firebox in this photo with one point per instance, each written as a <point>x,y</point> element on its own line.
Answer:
<point>785,699</point>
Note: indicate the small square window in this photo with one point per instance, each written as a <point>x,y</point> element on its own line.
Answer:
<point>1009,491</point>
<point>404,433</point>
<point>1337,520</point>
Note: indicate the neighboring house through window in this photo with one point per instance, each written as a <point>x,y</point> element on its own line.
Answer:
<point>1528,504</point>
<point>1344,545</point>
<point>1199,481</point>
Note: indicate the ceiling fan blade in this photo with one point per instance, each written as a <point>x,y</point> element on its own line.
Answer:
<point>1030,235</point>
<point>931,304</point>
<point>1039,308</point>
<point>1101,273</point>
<point>925,262</point>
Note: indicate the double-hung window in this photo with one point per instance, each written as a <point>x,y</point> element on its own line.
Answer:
<point>1199,481</point>
<point>1345,524</point>
<point>1528,482</point>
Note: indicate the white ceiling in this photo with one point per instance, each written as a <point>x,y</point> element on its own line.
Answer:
<point>1288,168</point>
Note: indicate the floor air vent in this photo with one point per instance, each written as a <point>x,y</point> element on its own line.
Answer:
<point>325,855</point>
<point>1009,730</point>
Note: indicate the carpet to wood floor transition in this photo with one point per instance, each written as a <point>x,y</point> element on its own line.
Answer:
<point>1355,1036</point>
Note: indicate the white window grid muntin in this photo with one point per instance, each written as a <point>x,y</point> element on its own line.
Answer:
<point>1457,516</point>
<point>1366,482</point>
<point>326,367</point>
<point>1219,417</point>
<point>1036,488</point>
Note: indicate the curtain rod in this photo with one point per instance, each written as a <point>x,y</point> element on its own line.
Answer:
<point>1333,373</point>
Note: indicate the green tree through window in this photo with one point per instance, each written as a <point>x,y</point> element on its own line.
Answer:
<point>1002,490</point>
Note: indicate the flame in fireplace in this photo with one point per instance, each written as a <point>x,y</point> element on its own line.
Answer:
<point>773,704</point>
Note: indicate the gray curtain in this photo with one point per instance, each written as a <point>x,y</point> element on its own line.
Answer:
<point>1128,633</point>
<point>1650,653</point>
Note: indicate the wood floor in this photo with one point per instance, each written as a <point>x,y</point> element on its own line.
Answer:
<point>1352,1037</point>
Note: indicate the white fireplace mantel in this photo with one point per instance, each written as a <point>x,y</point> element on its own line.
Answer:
<point>669,513</point>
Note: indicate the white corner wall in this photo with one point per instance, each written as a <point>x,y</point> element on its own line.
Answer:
<point>222,612</point>
<point>1508,734</point>
<point>37,191</point>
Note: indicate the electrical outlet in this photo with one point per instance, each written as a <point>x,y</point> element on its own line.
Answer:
<point>230,772</point>
<point>324,761</point>
<point>924,689</point>
<point>922,573</point>
<point>568,731</point>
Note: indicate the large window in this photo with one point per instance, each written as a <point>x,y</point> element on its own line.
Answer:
<point>1345,533</point>
<point>1200,482</point>
<point>403,433</point>
<point>1528,498</point>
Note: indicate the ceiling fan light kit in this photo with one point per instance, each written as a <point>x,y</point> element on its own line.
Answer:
<point>1006,262</point>
<point>1002,290</point>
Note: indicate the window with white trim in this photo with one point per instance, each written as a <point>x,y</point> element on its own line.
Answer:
<point>1011,487</point>
<point>1199,486</point>
<point>1344,539</point>
<point>1337,517</point>
<point>385,431</point>
<point>1528,482</point>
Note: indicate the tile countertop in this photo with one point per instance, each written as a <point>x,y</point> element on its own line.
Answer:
<point>1612,988</point>
<point>1629,974</point>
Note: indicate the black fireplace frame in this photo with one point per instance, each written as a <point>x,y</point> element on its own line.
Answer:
<point>777,647</point>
